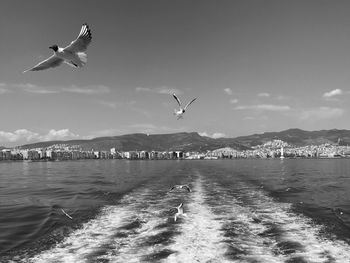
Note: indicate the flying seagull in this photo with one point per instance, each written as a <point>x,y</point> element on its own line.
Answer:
<point>73,54</point>
<point>180,212</point>
<point>178,186</point>
<point>179,113</point>
<point>64,212</point>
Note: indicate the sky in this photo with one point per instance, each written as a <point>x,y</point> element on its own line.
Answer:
<point>254,66</point>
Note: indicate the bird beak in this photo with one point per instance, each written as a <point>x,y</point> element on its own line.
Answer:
<point>51,47</point>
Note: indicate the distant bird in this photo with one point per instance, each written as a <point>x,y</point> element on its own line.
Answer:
<point>180,212</point>
<point>73,54</point>
<point>179,113</point>
<point>179,187</point>
<point>64,212</point>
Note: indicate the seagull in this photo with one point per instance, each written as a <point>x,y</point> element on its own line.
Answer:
<point>73,54</point>
<point>179,113</point>
<point>64,212</point>
<point>180,212</point>
<point>183,186</point>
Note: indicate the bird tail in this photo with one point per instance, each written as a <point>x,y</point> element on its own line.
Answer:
<point>83,57</point>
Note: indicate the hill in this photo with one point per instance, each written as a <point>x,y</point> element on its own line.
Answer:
<point>194,142</point>
<point>298,137</point>
<point>158,142</point>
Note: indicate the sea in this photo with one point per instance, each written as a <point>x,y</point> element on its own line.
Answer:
<point>239,210</point>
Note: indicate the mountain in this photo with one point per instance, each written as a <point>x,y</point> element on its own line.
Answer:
<point>192,141</point>
<point>158,142</point>
<point>299,137</point>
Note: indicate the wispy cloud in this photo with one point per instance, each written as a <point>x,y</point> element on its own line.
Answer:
<point>264,94</point>
<point>64,134</point>
<point>31,88</point>
<point>332,93</point>
<point>26,136</point>
<point>215,135</point>
<point>36,89</point>
<point>233,101</point>
<point>321,113</point>
<point>264,107</point>
<point>3,90</point>
<point>109,104</point>
<point>159,90</point>
<point>228,91</point>
<point>89,90</point>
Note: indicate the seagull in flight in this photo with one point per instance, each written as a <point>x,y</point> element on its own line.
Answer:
<point>180,212</point>
<point>64,212</point>
<point>73,54</point>
<point>179,187</point>
<point>179,113</point>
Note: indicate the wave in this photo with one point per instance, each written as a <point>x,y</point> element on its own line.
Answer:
<point>225,223</point>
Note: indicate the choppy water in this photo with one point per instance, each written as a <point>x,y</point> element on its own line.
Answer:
<point>122,211</point>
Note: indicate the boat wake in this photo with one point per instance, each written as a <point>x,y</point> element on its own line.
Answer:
<point>224,223</point>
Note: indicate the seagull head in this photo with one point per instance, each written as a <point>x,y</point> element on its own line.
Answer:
<point>54,48</point>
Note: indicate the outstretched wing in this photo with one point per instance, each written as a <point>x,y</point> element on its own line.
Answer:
<point>51,62</point>
<point>64,212</point>
<point>187,188</point>
<point>177,99</point>
<point>188,104</point>
<point>83,40</point>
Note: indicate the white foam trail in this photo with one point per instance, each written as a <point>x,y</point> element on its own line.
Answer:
<point>246,243</point>
<point>254,219</point>
<point>84,241</point>
<point>101,233</point>
<point>300,229</point>
<point>222,225</point>
<point>200,240</point>
<point>110,236</point>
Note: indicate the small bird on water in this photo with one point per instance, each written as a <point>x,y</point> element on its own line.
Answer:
<point>180,212</point>
<point>179,113</point>
<point>73,54</point>
<point>180,187</point>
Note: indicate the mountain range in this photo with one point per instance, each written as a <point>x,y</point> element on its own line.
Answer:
<point>192,141</point>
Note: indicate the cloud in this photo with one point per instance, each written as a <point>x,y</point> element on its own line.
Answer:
<point>159,90</point>
<point>264,94</point>
<point>63,134</point>
<point>89,90</point>
<point>215,135</point>
<point>18,135</point>
<point>321,113</point>
<point>233,101</point>
<point>31,88</point>
<point>143,89</point>
<point>228,91</point>
<point>3,90</point>
<point>109,104</point>
<point>332,93</point>
<point>21,136</point>
<point>264,107</point>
